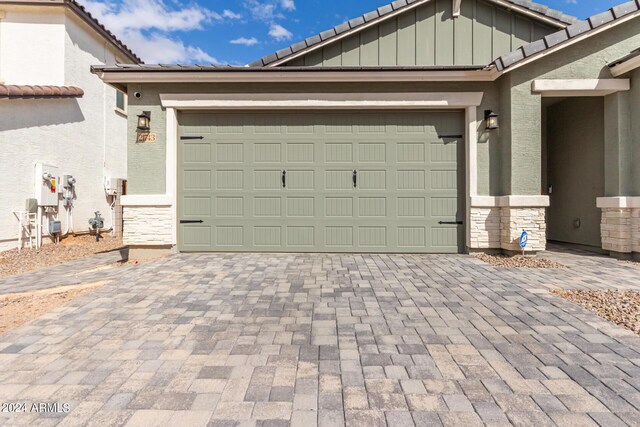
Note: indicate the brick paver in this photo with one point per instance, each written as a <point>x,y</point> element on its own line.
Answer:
<point>329,340</point>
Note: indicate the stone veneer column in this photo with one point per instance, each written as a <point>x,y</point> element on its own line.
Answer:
<point>485,228</point>
<point>516,220</point>
<point>147,225</point>
<point>498,222</point>
<point>620,225</point>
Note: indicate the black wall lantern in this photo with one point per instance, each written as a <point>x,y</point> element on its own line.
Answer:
<point>491,120</point>
<point>144,121</point>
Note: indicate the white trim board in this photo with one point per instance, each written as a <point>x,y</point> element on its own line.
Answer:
<point>510,201</point>
<point>626,66</point>
<point>579,87</point>
<point>323,100</point>
<point>618,202</point>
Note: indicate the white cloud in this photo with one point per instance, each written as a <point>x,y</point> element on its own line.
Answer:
<point>279,33</point>
<point>262,11</point>
<point>157,48</point>
<point>245,41</point>
<point>144,25</point>
<point>288,4</point>
<point>230,14</point>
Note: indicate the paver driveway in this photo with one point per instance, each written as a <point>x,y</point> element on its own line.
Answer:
<point>361,340</point>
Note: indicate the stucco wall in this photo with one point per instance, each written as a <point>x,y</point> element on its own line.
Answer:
<point>583,60</point>
<point>147,161</point>
<point>575,169</point>
<point>32,46</point>
<point>84,137</point>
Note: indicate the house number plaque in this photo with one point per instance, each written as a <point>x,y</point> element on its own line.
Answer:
<point>145,138</point>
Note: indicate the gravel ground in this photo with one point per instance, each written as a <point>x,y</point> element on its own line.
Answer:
<point>619,307</point>
<point>518,261</point>
<point>70,248</point>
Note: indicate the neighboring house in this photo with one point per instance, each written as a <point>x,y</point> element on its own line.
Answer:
<point>375,136</point>
<point>54,111</point>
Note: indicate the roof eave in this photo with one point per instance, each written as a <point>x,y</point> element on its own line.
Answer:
<point>132,75</point>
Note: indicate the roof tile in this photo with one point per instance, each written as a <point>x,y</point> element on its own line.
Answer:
<point>556,38</point>
<point>578,28</point>
<point>370,16</point>
<point>298,46</point>
<point>534,47</point>
<point>399,4</point>
<point>342,28</point>
<point>512,58</point>
<point>601,18</point>
<point>284,52</point>
<point>28,91</point>
<point>325,35</point>
<point>624,9</point>
<point>385,9</point>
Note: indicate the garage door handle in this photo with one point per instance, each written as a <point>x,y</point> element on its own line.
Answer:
<point>284,179</point>
<point>450,222</point>
<point>191,221</point>
<point>355,179</point>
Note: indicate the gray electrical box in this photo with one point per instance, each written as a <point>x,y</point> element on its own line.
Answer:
<point>55,227</point>
<point>31,205</point>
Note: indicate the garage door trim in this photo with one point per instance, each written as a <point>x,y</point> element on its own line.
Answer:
<point>469,102</point>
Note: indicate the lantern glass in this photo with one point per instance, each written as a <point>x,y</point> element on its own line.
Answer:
<point>491,120</point>
<point>144,121</point>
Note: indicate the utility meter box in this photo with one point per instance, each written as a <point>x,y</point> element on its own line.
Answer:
<point>111,185</point>
<point>47,184</point>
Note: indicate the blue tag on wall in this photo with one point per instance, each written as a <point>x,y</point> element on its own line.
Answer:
<point>524,238</point>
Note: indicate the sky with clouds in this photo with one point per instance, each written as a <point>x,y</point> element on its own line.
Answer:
<point>240,31</point>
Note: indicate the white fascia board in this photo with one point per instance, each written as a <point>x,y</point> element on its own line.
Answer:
<point>295,76</point>
<point>625,66</point>
<point>618,202</point>
<point>132,200</point>
<point>579,87</point>
<point>510,201</point>
<point>445,100</point>
<point>570,42</point>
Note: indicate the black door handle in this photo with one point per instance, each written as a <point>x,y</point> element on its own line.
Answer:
<point>284,179</point>
<point>191,221</point>
<point>191,137</point>
<point>450,222</point>
<point>355,179</point>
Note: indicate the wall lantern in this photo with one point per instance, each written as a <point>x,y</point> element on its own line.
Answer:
<point>491,120</point>
<point>144,121</point>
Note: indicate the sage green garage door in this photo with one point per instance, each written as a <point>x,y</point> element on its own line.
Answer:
<point>321,182</point>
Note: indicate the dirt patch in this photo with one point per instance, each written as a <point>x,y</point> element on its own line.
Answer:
<point>70,248</point>
<point>518,261</point>
<point>619,307</point>
<point>20,308</point>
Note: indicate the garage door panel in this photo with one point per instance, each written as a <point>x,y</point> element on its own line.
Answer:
<point>301,207</point>
<point>408,181</point>
<point>338,152</point>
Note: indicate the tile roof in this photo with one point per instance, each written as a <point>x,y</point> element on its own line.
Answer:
<point>380,13</point>
<point>568,33</point>
<point>27,92</point>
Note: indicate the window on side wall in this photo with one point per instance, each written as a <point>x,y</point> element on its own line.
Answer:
<point>121,102</point>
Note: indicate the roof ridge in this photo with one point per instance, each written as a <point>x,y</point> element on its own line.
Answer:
<point>387,9</point>
<point>565,34</point>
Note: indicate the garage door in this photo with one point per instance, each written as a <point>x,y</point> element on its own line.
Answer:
<point>321,182</point>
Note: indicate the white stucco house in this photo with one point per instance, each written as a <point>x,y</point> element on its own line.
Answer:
<point>53,111</point>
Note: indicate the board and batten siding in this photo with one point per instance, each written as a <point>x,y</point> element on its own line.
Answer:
<point>429,35</point>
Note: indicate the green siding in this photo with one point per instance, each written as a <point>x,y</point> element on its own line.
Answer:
<point>429,35</point>
<point>409,178</point>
